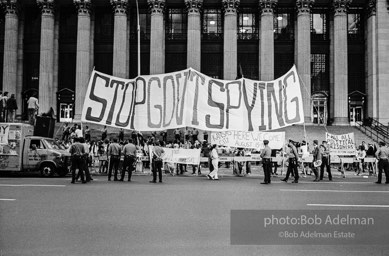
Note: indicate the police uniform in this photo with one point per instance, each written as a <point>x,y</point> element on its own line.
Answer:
<point>114,153</point>
<point>383,163</point>
<point>266,160</point>
<point>293,156</point>
<point>129,152</point>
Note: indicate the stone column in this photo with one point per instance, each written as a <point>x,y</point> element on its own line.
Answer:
<point>83,54</point>
<point>53,102</point>
<point>303,53</point>
<point>331,66</point>
<point>20,61</point>
<point>382,53</point>
<point>120,42</point>
<point>46,62</point>
<point>194,34</point>
<point>157,37</point>
<point>230,58</point>
<point>340,62</point>
<point>266,41</point>
<point>370,59</point>
<point>10,47</point>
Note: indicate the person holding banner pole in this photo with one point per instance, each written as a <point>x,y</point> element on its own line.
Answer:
<point>266,160</point>
<point>215,163</point>
<point>382,155</point>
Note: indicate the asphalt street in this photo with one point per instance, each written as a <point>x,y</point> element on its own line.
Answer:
<point>184,215</point>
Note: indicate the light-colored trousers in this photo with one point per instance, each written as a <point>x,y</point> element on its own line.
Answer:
<point>215,163</point>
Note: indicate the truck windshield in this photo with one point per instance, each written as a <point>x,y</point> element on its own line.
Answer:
<point>51,144</point>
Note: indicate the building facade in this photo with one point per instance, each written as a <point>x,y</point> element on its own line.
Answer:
<point>340,48</point>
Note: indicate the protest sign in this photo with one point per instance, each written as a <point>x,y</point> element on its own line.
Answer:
<point>189,98</point>
<point>181,156</point>
<point>241,139</point>
<point>4,131</point>
<point>341,144</point>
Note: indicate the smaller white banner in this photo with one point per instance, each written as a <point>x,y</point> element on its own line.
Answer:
<point>242,139</point>
<point>341,145</point>
<point>181,156</point>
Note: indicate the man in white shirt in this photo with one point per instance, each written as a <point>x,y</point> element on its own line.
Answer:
<point>78,131</point>
<point>33,107</point>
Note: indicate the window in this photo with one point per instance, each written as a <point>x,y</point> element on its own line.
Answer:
<point>319,73</point>
<point>319,26</point>
<point>145,25</point>
<point>176,25</point>
<point>283,26</point>
<point>354,26</point>
<point>212,24</point>
<point>247,26</point>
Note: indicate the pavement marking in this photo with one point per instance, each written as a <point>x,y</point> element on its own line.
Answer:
<point>30,185</point>
<point>336,191</point>
<point>7,199</point>
<point>352,205</point>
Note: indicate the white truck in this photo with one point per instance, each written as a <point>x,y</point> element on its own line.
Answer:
<point>20,151</point>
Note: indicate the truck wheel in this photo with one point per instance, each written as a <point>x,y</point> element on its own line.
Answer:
<point>47,170</point>
<point>62,172</point>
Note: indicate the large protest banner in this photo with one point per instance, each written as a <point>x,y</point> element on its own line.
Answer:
<point>181,156</point>
<point>341,144</point>
<point>239,139</point>
<point>190,99</point>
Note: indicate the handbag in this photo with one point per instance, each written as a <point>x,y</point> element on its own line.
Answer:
<point>317,163</point>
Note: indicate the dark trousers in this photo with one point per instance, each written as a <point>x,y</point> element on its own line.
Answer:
<point>292,167</point>
<point>325,163</point>
<point>157,167</point>
<point>113,163</point>
<point>210,165</point>
<point>383,166</point>
<point>128,164</point>
<point>85,169</point>
<point>267,169</point>
<point>77,163</point>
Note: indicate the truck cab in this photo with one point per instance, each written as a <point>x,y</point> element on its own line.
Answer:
<point>21,151</point>
<point>45,155</point>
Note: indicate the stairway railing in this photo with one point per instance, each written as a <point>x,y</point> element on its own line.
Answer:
<point>374,129</point>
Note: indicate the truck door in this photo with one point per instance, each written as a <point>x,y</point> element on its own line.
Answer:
<point>36,152</point>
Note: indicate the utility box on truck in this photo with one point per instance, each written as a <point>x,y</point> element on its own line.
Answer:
<point>20,151</point>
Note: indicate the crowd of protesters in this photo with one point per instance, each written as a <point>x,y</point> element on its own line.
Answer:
<point>118,156</point>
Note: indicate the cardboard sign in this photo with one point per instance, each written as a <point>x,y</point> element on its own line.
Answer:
<point>240,139</point>
<point>181,156</point>
<point>4,131</point>
<point>341,144</point>
<point>189,98</point>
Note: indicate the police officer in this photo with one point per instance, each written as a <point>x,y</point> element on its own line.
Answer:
<point>157,162</point>
<point>129,152</point>
<point>383,163</point>
<point>77,151</point>
<point>266,160</point>
<point>114,150</point>
<point>293,157</point>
